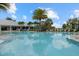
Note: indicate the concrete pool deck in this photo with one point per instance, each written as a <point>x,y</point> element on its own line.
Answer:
<point>74,37</point>
<point>5,37</point>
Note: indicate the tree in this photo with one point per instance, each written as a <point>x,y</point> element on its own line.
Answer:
<point>39,14</point>
<point>4,6</point>
<point>36,22</point>
<point>47,25</point>
<point>72,24</point>
<point>49,21</point>
<point>64,27</point>
<point>29,23</point>
<point>21,23</point>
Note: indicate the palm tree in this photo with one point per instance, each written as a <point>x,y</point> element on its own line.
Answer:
<point>39,14</point>
<point>4,6</point>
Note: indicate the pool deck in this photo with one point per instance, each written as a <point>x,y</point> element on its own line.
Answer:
<point>4,37</point>
<point>74,37</point>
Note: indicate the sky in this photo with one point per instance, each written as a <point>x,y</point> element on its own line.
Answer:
<point>58,12</point>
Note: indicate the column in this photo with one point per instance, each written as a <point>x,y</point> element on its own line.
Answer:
<point>10,29</point>
<point>29,28</point>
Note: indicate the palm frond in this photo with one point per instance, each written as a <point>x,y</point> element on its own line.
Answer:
<point>4,6</point>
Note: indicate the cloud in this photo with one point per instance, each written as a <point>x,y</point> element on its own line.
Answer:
<point>13,16</point>
<point>31,11</point>
<point>24,17</point>
<point>12,9</point>
<point>74,14</point>
<point>57,25</point>
<point>52,14</point>
<point>65,22</point>
<point>71,16</point>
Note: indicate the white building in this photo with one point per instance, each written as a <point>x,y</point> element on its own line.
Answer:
<point>10,25</point>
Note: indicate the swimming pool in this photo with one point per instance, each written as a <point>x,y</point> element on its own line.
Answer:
<point>39,44</point>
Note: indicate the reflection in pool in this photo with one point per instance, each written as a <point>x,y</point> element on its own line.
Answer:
<point>39,43</point>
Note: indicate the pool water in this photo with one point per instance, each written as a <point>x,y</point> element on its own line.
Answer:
<point>39,44</point>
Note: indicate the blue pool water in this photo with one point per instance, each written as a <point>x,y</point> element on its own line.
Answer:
<point>39,44</point>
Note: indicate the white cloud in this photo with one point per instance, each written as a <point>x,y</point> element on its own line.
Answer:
<point>52,14</point>
<point>31,11</point>
<point>14,16</point>
<point>40,7</point>
<point>71,16</point>
<point>57,25</point>
<point>24,17</point>
<point>12,9</point>
<point>64,22</point>
<point>75,14</point>
<point>48,8</point>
